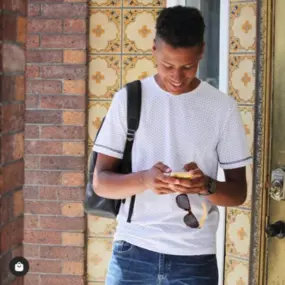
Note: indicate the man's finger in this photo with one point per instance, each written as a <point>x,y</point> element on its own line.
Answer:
<point>162,167</point>
<point>190,166</point>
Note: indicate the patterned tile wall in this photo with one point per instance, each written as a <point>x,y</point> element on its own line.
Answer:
<point>120,40</point>
<point>242,87</point>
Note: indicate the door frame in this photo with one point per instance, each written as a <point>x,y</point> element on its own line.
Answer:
<point>262,134</point>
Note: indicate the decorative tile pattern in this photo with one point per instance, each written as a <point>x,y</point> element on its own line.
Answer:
<point>97,110</point>
<point>137,67</point>
<point>236,272</point>
<point>238,232</point>
<point>139,30</point>
<point>106,3</point>
<point>247,114</point>
<point>105,32</point>
<point>104,76</point>
<point>144,3</point>
<point>243,27</point>
<point>249,173</point>
<point>98,256</point>
<point>242,78</point>
<point>101,227</point>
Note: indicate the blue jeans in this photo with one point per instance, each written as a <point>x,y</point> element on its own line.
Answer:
<point>132,265</point>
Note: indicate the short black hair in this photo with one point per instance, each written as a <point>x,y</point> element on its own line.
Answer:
<point>180,26</point>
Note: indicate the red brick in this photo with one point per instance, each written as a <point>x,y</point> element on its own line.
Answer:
<point>31,222</point>
<point>59,280</point>
<point>64,10</point>
<point>20,88</point>
<point>42,207</point>
<point>63,72</point>
<point>32,162</point>
<point>33,41</point>
<point>62,162</point>
<point>75,26</point>
<point>15,6</point>
<point>13,176</point>
<point>13,117</point>
<point>18,203</point>
<point>73,268</point>
<point>42,237</point>
<point>8,88</point>
<point>43,147</point>
<point>32,132</point>
<point>32,279</point>
<point>32,101</point>
<point>32,71</point>
<point>41,56</point>
<point>62,223</point>
<point>45,266</point>
<point>63,41</point>
<point>9,27</point>
<point>62,102</point>
<point>73,179</point>
<point>6,209</point>
<point>12,147</point>
<point>70,193</point>
<point>49,192</point>
<point>34,10</point>
<point>44,87</point>
<point>62,253</point>
<point>4,264</point>
<point>43,117</point>
<point>18,251</point>
<point>34,177</point>
<point>44,26</point>
<point>31,192</point>
<point>13,58</point>
<point>62,132</point>
<point>31,251</point>
<point>21,30</point>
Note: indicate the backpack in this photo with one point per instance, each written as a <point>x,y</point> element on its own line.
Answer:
<point>104,207</point>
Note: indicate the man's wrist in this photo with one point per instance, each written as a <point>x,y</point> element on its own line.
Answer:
<point>210,187</point>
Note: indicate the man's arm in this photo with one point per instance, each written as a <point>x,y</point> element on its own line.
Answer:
<point>109,184</point>
<point>233,192</point>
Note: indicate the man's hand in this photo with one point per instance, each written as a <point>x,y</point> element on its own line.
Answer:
<point>197,184</point>
<point>156,180</point>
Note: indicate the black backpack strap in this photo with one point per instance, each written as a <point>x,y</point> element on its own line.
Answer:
<point>133,114</point>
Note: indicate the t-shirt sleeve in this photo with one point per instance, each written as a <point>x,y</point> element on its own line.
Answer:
<point>233,150</point>
<point>112,136</point>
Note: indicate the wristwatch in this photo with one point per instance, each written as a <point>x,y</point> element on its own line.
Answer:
<point>211,187</point>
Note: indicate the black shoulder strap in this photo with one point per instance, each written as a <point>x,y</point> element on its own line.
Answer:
<point>133,114</point>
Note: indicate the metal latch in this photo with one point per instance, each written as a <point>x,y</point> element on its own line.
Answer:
<point>277,188</point>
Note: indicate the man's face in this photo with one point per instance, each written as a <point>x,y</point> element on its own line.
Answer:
<point>177,67</point>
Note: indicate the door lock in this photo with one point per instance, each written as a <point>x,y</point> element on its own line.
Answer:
<point>276,230</point>
<point>277,188</point>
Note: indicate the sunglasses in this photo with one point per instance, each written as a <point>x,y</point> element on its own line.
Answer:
<point>183,203</point>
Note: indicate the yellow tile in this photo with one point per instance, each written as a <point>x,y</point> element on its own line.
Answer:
<point>104,76</point>
<point>249,174</point>
<point>247,114</point>
<point>242,78</point>
<point>106,3</point>
<point>97,110</point>
<point>238,232</point>
<point>105,30</point>
<point>101,227</point>
<point>137,67</point>
<point>139,30</point>
<point>144,3</point>
<point>243,27</point>
<point>236,271</point>
<point>99,252</point>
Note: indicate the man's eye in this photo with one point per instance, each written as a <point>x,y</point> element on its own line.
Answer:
<point>168,66</point>
<point>188,67</point>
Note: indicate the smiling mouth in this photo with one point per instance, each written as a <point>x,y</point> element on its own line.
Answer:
<point>176,85</point>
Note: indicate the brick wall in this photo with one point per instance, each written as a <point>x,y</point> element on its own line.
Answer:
<point>12,107</point>
<point>55,154</point>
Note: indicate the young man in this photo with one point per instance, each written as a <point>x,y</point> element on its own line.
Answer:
<point>185,125</point>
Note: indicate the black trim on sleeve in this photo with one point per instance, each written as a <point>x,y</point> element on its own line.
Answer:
<point>109,148</point>
<point>237,161</point>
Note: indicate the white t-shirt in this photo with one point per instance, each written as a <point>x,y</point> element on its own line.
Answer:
<point>202,126</point>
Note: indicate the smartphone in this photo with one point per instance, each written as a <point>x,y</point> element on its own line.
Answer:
<point>183,175</point>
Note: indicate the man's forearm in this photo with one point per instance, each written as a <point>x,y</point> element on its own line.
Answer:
<point>118,186</point>
<point>229,194</point>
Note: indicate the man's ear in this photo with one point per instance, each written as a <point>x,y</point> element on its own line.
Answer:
<point>202,50</point>
<point>154,48</point>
